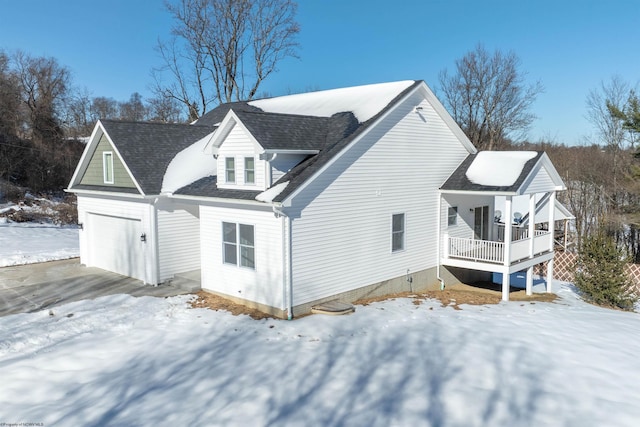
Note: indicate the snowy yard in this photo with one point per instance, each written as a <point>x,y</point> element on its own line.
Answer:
<point>121,360</point>
<point>30,242</point>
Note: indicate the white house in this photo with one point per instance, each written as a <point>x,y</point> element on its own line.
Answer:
<point>287,202</point>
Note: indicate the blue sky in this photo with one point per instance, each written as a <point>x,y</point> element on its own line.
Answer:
<point>570,46</point>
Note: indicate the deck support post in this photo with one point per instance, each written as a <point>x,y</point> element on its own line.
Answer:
<point>549,274</point>
<point>530,280</point>
<point>507,249</point>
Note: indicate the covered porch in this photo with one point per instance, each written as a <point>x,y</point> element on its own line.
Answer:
<point>500,225</point>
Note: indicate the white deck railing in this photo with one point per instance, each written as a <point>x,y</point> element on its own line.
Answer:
<point>493,252</point>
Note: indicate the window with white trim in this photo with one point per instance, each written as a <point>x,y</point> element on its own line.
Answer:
<point>249,170</point>
<point>397,232</point>
<point>238,241</point>
<point>230,169</point>
<point>452,216</point>
<point>107,167</point>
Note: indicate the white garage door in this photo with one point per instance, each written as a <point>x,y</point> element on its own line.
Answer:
<point>116,246</point>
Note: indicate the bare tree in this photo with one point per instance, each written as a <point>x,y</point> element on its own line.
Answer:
<point>223,50</point>
<point>488,98</point>
<point>104,108</point>
<point>165,110</point>
<point>45,87</point>
<point>134,109</point>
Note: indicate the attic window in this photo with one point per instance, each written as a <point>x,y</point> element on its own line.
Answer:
<point>230,169</point>
<point>107,167</point>
<point>249,170</point>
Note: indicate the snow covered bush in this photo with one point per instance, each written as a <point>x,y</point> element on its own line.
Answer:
<point>600,274</point>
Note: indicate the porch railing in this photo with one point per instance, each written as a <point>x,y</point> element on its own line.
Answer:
<point>493,252</point>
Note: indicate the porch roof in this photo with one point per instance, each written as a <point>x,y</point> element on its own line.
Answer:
<point>503,173</point>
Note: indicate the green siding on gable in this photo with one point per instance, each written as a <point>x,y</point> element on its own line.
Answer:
<point>94,175</point>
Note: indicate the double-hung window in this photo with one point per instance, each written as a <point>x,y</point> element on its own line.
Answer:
<point>238,241</point>
<point>397,232</point>
<point>249,170</point>
<point>107,167</point>
<point>230,169</point>
<point>452,216</point>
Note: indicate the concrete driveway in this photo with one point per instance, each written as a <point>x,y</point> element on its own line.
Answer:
<point>34,287</point>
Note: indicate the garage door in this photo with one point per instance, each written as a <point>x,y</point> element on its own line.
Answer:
<point>115,245</point>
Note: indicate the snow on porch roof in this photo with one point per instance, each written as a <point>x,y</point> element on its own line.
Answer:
<point>493,172</point>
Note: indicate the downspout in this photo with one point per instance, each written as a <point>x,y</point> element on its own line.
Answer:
<point>439,241</point>
<point>287,283</point>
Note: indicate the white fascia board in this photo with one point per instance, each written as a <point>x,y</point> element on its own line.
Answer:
<point>479,193</point>
<point>446,117</point>
<point>107,193</point>
<point>287,201</point>
<point>225,201</point>
<point>276,151</point>
<point>89,148</point>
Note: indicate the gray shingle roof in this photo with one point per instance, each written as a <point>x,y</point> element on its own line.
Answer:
<point>458,180</point>
<point>206,187</point>
<point>286,131</point>
<point>148,148</point>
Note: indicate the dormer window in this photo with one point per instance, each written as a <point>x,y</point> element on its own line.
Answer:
<point>107,167</point>
<point>249,170</point>
<point>230,169</point>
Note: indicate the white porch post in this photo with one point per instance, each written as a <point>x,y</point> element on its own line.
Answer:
<point>507,249</point>
<point>532,222</point>
<point>552,219</point>
<point>552,232</point>
<point>532,236</point>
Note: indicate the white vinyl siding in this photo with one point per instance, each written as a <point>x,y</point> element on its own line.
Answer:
<point>239,145</point>
<point>465,204</point>
<point>262,283</point>
<point>397,167</point>
<point>107,167</point>
<point>178,242</point>
<point>541,183</point>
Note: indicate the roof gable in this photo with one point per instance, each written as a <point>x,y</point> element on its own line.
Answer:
<point>148,148</point>
<point>485,172</point>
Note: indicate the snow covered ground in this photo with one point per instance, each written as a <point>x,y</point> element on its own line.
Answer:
<point>26,243</point>
<point>121,360</point>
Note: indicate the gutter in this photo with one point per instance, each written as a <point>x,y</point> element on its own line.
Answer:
<point>287,282</point>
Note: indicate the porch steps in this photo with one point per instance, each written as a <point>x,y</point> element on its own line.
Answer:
<point>333,308</point>
<point>188,281</point>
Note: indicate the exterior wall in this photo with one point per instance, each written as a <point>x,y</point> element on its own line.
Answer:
<point>119,207</point>
<point>94,175</point>
<point>178,241</point>
<point>342,232</point>
<point>239,145</point>
<point>263,285</point>
<point>465,205</point>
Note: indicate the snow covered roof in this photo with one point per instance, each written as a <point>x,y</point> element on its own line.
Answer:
<point>501,172</point>
<point>363,101</point>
